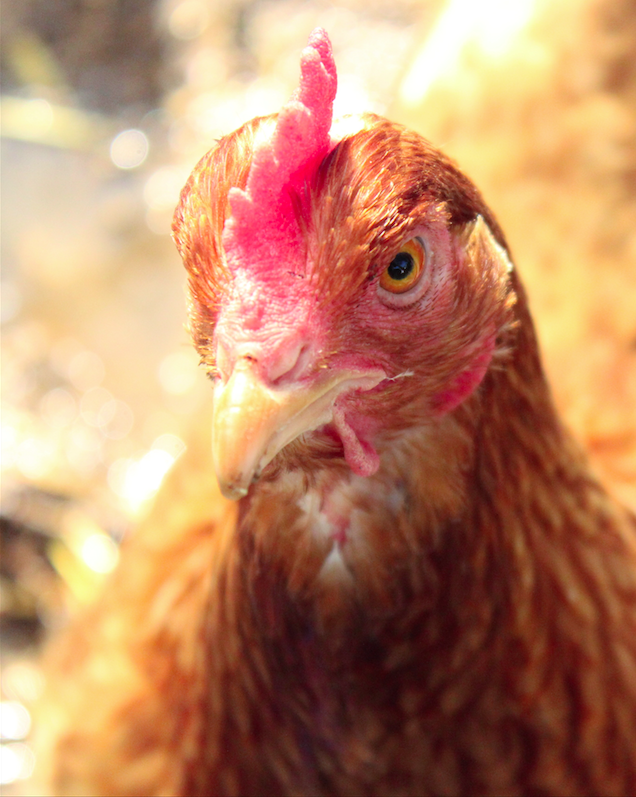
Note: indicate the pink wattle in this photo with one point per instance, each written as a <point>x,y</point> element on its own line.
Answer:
<point>360,455</point>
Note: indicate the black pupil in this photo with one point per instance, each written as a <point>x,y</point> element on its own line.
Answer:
<point>401,266</point>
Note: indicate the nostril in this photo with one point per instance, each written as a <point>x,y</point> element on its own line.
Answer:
<point>230,355</point>
<point>291,364</point>
<point>276,361</point>
<point>304,359</point>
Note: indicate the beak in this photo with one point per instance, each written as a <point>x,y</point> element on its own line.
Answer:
<point>252,422</point>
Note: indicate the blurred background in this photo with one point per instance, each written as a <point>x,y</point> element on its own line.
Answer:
<point>106,107</point>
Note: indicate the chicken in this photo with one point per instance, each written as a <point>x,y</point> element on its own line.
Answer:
<point>410,583</point>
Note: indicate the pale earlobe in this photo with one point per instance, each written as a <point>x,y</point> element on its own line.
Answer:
<point>481,247</point>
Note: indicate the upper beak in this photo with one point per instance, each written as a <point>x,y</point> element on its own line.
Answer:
<point>252,422</point>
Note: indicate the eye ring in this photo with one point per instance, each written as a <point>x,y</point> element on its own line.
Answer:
<point>404,272</point>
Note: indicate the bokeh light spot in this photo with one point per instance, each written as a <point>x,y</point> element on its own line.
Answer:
<point>16,762</point>
<point>178,372</point>
<point>129,149</point>
<point>188,20</point>
<point>100,553</point>
<point>15,720</point>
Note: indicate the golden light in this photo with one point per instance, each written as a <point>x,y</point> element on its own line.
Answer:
<point>99,553</point>
<point>22,680</point>
<point>35,457</point>
<point>136,481</point>
<point>15,720</point>
<point>178,371</point>
<point>161,194</point>
<point>189,19</point>
<point>89,542</point>
<point>17,762</point>
<point>490,25</point>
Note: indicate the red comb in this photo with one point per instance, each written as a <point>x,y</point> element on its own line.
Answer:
<point>262,229</point>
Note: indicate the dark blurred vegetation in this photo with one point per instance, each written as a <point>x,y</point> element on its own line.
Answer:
<point>106,56</point>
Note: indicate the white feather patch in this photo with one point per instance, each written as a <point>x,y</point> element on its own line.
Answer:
<point>334,567</point>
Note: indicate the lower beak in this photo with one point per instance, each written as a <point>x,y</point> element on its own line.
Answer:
<point>252,422</point>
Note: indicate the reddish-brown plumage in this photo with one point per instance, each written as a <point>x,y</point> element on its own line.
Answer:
<point>463,621</point>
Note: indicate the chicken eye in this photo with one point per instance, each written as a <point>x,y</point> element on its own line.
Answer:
<point>405,269</point>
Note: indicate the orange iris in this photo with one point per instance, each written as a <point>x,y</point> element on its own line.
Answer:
<point>405,269</point>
